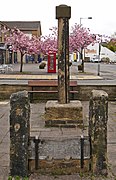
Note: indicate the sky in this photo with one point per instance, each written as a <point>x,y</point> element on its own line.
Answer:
<point>103,13</point>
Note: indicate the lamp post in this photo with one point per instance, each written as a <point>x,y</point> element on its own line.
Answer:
<point>82,50</point>
<point>99,51</point>
<point>84,18</point>
<point>99,59</point>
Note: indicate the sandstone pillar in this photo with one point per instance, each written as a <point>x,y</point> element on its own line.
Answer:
<point>63,14</point>
<point>19,133</point>
<point>98,117</point>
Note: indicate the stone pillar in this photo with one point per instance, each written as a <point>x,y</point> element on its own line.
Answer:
<point>19,133</point>
<point>98,117</point>
<point>63,14</point>
<point>63,113</point>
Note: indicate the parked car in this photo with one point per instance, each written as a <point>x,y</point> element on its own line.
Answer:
<point>95,60</point>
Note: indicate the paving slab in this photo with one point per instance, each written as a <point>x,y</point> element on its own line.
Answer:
<point>31,71</point>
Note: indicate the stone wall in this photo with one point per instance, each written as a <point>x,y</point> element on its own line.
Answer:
<point>84,91</point>
<point>7,90</point>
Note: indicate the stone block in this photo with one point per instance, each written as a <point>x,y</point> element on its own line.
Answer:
<point>70,113</point>
<point>63,11</point>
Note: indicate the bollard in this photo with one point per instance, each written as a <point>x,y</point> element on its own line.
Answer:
<point>82,151</point>
<point>36,141</point>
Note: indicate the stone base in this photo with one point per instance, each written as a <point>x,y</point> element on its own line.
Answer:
<point>63,115</point>
<point>59,167</point>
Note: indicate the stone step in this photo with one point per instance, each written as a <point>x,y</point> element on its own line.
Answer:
<point>66,125</point>
<point>55,132</point>
<point>63,123</point>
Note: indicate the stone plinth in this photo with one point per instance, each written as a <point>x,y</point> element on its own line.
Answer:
<point>63,115</point>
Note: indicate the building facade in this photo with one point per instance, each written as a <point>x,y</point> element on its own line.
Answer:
<point>92,53</point>
<point>28,27</point>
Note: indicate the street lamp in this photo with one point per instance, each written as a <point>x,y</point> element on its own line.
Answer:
<point>99,59</point>
<point>84,18</point>
<point>81,55</point>
<point>99,55</point>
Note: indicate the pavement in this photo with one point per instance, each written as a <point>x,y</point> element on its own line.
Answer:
<point>32,71</point>
<point>37,128</point>
<point>48,76</point>
<point>38,124</point>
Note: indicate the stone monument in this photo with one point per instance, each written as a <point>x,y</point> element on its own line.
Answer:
<point>63,112</point>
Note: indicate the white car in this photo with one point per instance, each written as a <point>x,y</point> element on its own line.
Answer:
<point>95,60</point>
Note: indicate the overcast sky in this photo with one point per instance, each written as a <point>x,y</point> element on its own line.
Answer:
<point>103,13</point>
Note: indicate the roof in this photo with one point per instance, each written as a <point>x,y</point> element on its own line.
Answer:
<point>23,25</point>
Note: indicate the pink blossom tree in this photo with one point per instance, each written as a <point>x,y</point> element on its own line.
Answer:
<point>49,43</point>
<point>80,38</point>
<point>21,42</point>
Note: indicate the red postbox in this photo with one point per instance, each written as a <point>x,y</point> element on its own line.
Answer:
<point>52,62</point>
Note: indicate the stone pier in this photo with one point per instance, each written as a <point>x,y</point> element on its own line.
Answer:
<point>19,133</point>
<point>98,117</point>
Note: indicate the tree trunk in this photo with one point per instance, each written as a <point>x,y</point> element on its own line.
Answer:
<point>82,65</point>
<point>82,58</point>
<point>21,67</point>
